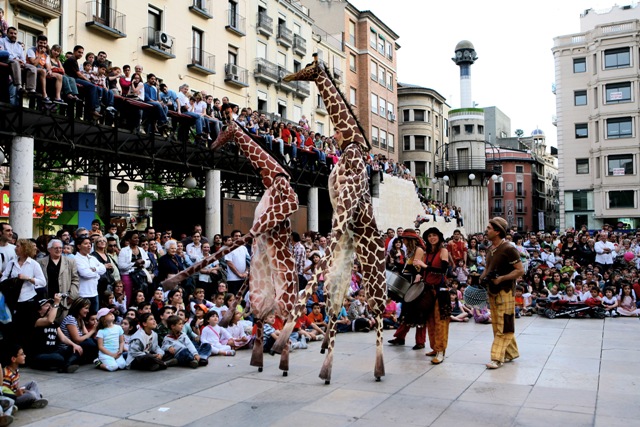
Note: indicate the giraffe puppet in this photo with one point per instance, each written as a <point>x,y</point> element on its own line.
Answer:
<point>273,281</point>
<point>354,229</point>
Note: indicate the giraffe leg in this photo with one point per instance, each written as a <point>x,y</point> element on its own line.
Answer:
<point>325,371</point>
<point>284,360</point>
<point>378,370</point>
<point>325,342</point>
<point>257,356</point>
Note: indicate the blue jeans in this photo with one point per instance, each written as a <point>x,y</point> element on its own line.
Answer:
<point>56,360</point>
<point>199,120</point>
<point>184,356</point>
<point>91,94</point>
<point>161,111</point>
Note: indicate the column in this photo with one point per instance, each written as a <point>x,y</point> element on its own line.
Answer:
<point>213,204</point>
<point>313,215</point>
<point>21,186</point>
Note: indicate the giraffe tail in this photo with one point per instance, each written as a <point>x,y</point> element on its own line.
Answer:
<point>378,370</point>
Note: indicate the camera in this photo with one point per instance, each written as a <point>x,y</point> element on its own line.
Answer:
<point>63,296</point>
<point>487,282</point>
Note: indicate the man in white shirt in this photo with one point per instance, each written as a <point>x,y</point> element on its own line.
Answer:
<point>194,249</point>
<point>18,62</point>
<point>7,250</point>
<point>237,266</point>
<point>89,270</point>
<point>604,252</point>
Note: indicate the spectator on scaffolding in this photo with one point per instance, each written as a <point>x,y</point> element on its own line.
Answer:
<point>168,97</point>
<point>151,97</point>
<point>18,62</point>
<point>125,80</point>
<point>38,56</point>
<point>183,107</point>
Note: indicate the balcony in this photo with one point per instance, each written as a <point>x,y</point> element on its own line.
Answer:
<point>299,45</point>
<point>302,90</point>
<point>47,9</point>
<point>158,43</point>
<point>498,210</point>
<point>320,107</point>
<point>236,75</point>
<point>201,61</point>
<point>265,24</point>
<point>465,163</point>
<point>106,20</point>
<point>521,210</point>
<point>201,8</point>
<point>288,87</point>
<point>266,72</point>
<point>337,74</point>
<point>235,23</point>
<point>521,193</point>
<point>285,36</point>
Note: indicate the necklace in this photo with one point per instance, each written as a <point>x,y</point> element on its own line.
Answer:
<point>493,250</point>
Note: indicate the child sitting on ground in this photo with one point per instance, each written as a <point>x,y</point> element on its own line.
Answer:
<point>177,344</point>
<point>216,336</point>
<point>27,396</point>
<point>458,312</point>
<point>570,295</point>
<point>110,339</point>
<point>523,304</point>
<point>316,320</point>
<point>481,315</point>
<point>389,318</point>
<point>361,320</point>
<point>218,304</point>
<point>271,334</point>
<point>481,260</point>
<point>144,352</point>
<point>240,339</point>
<point>627,305</point>
<point>198,298</point>
<point>610,302</point>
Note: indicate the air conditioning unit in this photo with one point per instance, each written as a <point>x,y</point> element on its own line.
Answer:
<point>90,188</point>
<point>233,77</point>
<point>163,40</point>
<point>232,69</point>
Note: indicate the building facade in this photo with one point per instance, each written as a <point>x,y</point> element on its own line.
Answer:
<point>597,113</point>
<point>423,128</point>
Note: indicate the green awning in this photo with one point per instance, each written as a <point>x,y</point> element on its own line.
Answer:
<point>71,218</point>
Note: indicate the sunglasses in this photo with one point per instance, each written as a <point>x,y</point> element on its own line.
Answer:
<point>113,246</point>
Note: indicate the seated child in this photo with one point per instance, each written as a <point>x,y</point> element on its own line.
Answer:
<point>627,304</point>
<point>216,336</point>
<point>361,320</point>
<point>554,294</point>
<point>458,313</point>
<point>219,306</point>
<point>570,295</point>
<point>27,396</point>
<point>163,328</point>
<point>389,318</point>
<point>461,273</point>
<point>610,302</point>
<point>271,334</point>
<point>178,345</point>
<point>523,304</point>
<point>239,339</point>
<point>188,328</point>
<point>144,352</point>
<point>317,320</point>
<point>110,339</point>
<point>198,298</point>
<point>481,261</point>
<point>157,303</point>
<point>481,315</point>
<point>343,324</point>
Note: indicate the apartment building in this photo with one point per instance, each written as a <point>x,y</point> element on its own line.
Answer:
<point>423,132</point>
<point>597,86</point>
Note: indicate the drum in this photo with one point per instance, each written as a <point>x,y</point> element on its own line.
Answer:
<point>475,297</point>
<point>397,286</point>
<point>414,291</point>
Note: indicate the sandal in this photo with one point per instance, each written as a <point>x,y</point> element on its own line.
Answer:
<point>494,364</point>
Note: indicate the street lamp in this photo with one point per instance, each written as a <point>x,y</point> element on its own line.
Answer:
<point>123,187</point>
<point>445,178</point>
<point>471,177</point>
<point>190,182</point>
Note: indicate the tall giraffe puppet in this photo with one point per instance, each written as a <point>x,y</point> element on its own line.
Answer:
<point>273,281</point>
<point>354,228</point>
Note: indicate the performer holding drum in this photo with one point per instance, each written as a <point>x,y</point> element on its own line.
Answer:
<point>426,266</point>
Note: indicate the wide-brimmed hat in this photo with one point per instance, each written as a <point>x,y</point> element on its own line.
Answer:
<point>410,233</point>
<point>433,230</point>
<point>312,253</point>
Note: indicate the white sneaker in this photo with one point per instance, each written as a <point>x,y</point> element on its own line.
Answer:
<point>607,314</point>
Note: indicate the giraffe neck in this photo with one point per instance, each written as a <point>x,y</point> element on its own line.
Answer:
<point>338,111</point>
<point>259,158</point>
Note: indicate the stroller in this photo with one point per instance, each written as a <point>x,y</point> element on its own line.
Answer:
<point>590,307</point>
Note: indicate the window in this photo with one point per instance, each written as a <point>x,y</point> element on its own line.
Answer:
<point>154,18</point>
<point>261,50</point>
<point>352,96</point>
<point>580,201</point>
<point>421,169</point>
<point>391,110</point>
<point>374,135</point>
<point>580,65</point>
<point>497,189</point>
<point>519,189</point>
<point>383,138</point>
<point>382,76</point>
<point>519,169</point>
<point>617,58</point>
<point>418,115</point>
<point>383,107</point>
<point>405,115</point>
<point>619,127</point>
<point>582,166</point>
<point>391,141</point>
<point>582,130</point>
<point>580,97</point>
<point>389,50</point>
<point>468,129</point>
<point>406,143</point>
<point>282,59</point>
<point>497,205</point>
<point>456,129</point>
<point>390,81</point>
<point>481,129</point>
<point>618,92</point>
<point>419,142</point>
<point>620,164</point>
<point>320,128</point>
<point>520,205</point>
<point>374,71</point>
<point>374,103</point>
<point>373,38</point>
<point>352,33</point>
<point>380,44</point>
<point>352,62</point>
<point>621,199</point>
<point>520,222</point>
<point>428,143</point>
<point>196,46</point>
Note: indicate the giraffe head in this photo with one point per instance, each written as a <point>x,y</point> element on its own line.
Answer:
<point>226,134</point>
<point>308,73</point>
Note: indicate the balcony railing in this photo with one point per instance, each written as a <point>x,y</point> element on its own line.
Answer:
<point>235,23</point>
<point>285,36</point>
<point>337,74</point>
<point>299,45</point>
<point>105,19</point>
<point>464,163</point>
<point>236,75</point>
<point>202,8</point>
<point>303,89</point>
<point>201,61</point>
<point>522,209</point>
<point>266,72</point>
<point>288,87</point>
<point>50,9</point>
<point>265,24</point>
<point>158,43</point>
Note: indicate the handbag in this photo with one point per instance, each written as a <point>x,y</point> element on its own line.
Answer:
<point>11,289</point>
<point>57,70</point>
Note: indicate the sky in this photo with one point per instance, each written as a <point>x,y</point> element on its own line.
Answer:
<point>512,38</point>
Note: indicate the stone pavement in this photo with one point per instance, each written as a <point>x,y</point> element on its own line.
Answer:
<point>572,372</point>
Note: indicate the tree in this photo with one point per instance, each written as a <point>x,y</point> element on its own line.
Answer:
<point>160,192</point>
<point>423,184</point>
<point>52,185</point>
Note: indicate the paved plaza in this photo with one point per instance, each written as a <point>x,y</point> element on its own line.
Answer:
<point>572,372</point>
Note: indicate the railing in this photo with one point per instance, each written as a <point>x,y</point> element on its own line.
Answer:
<point>521,193</point>
<point>201,7</point>
<point>285,35</point>
<point>265,23</point>
<point>521,210</point>
<point>53,5</point>
<point>328,38</point>
<point>202,58</point>
<point>235,21</point>
<point>266,69</point>
<point>299,44</point>
<point>98,12</point>
<point>303,88</point>
<point>159,41</point>
<point>236,74</point>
